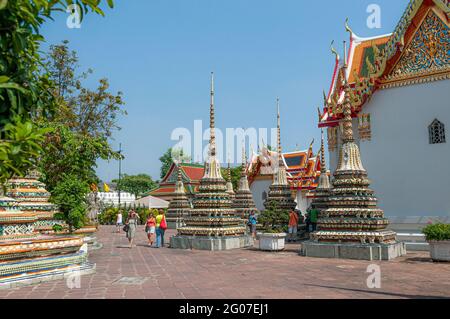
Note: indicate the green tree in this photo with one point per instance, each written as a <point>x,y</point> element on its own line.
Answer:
<point>273,219</point>
<point>135,184</point>
<point>80,127</point>
<point>70,196</point>
<point>24,91</point>
<point>168,158</point>
<point>235,175</point>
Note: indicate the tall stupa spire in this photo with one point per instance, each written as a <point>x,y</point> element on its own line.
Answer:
<point>179,206</point>
<point>350,223</point>
<point>212,223</point>
<point>244,203</point>
<point>280,190</point>
<point>280,177</point>
<point>212,143</point>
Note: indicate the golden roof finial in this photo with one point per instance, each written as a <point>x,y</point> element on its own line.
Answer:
<point>333,50</point>
<point>347,28</point>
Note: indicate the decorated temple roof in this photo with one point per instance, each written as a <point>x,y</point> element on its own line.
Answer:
<point>191,175</point>
<point>302,167</point>
<point>416,52</point>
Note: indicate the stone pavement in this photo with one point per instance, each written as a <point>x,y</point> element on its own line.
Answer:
<point>144,272</point>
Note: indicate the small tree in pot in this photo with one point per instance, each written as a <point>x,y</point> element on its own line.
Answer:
<point>438,237</point>
<point>274,223</point>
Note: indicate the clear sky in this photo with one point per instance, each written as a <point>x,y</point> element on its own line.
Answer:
<point>160,53</point>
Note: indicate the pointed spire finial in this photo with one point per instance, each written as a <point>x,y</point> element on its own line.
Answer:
<point>212,143</point>
<point>323,168</point>
<point>278,131</point>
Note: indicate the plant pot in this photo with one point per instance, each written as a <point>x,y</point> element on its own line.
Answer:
<point>440,250</point>
<point>271,242</point>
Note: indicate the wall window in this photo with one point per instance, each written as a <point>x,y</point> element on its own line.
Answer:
<point>436,132</point>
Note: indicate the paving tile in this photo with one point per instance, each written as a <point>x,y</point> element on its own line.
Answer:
<point>247,273</point>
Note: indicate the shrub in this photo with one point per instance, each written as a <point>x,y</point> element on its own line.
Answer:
<point>437,231</point>
<point>274,219</point>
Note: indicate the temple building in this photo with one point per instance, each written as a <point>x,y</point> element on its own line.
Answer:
<point>191,174</point>
<point>179,206</point>
<point>212,223</point>
<point>302,169</point>
<point>399,90</point>
<point>280,190</point>
<point>351,225</point>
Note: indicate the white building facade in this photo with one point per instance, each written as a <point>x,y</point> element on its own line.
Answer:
<point>402,117</point>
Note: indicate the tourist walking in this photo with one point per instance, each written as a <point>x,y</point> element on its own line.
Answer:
<point>132,222</point>
<point>119,222</point>
<point>150,229</point>
<point>252,224</point>
<point>293,225</point>
<point>161,226</point>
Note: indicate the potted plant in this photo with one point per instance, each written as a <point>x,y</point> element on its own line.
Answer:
<point>273,221</point>
<point>438,237</point>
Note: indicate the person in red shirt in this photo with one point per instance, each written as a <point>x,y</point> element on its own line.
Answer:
<point>293,225</point>
<point>150,228</point>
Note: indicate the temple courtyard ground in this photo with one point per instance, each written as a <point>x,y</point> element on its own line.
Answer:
<point>144,272</point>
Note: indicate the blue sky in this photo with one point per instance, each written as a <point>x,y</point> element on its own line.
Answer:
<point>160,53</point>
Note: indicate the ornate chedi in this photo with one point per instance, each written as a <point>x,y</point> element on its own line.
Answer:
<point>323,189</point>
<point>243,202</point>
<point>212,223</point>
<point>179,206</point>
<point>280,190</point>
<point>32,197</point>
<point>28,257</point>
<point>352,226</point>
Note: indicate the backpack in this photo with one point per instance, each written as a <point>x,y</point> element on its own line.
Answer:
<point>163,224</point>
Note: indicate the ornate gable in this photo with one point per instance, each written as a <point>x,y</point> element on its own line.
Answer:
<point>426,57</point>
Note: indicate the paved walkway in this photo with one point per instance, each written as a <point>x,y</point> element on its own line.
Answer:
<point>144,272</point>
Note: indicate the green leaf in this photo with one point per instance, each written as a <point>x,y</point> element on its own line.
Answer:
<point>3,78</point>
<point>3,4</point>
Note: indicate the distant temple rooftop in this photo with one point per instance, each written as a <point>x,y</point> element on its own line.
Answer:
<point>191,175</point>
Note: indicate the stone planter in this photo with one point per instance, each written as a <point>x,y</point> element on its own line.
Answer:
<point>440,250</point>
<point>271,242</point>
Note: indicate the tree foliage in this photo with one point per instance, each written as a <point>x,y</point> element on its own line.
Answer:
<point>79,129</point>
<point>70,195</point>
<point>135,184</point>
<point>274,219</point>
<point>235,175</point>
<point>169,157</point>
<point>25,92</point>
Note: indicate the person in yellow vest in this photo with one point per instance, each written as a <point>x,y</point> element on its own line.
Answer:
<point>161,227</point>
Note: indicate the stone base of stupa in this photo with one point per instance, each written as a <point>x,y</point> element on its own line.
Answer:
<point>32,271</point>
<point>353,251</point>
<point>211,243</point>
<point>174,224</point>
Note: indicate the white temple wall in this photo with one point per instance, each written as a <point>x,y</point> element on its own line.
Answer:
<point>302,202</point>
<point>258,187</point>
<point>411,177</point>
